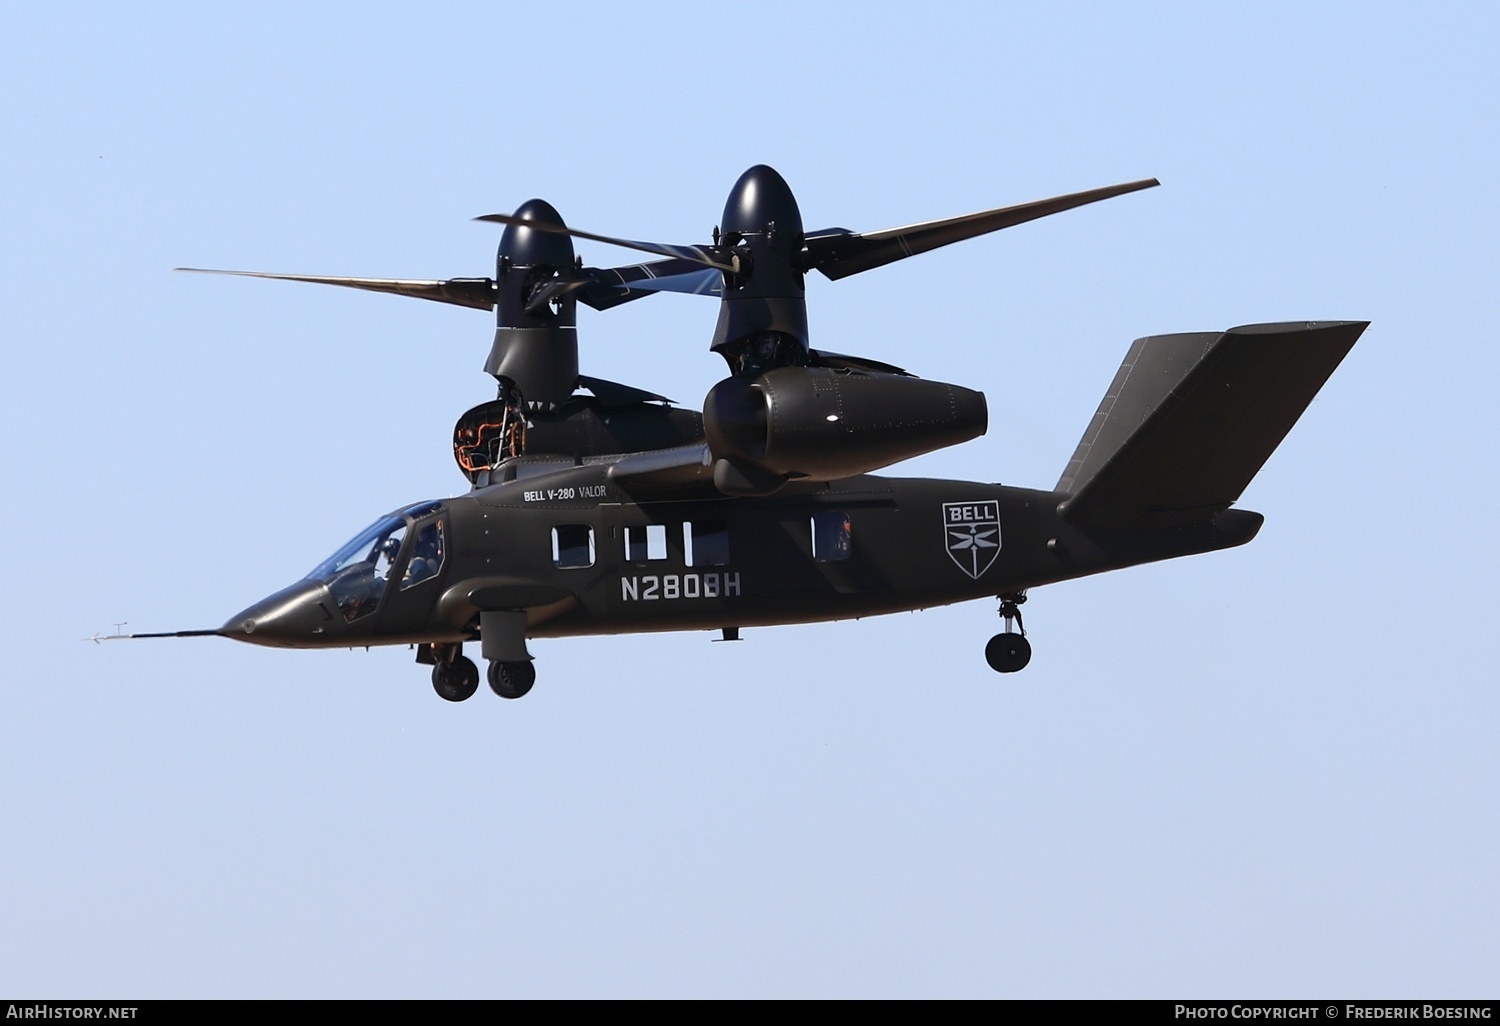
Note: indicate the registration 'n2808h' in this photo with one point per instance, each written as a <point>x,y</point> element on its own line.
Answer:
<point>659,587</point>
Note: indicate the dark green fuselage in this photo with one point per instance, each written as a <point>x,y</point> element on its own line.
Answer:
<point>897,544</point>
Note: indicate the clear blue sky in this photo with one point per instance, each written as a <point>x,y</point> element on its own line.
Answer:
<point>1265,772</point>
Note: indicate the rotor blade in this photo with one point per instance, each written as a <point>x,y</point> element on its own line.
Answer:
<point>551,290</point>
<point>477,293</point>
<point>839,255</point>
<point>611,286</point>
<point>703,282</point>
<point>698,254</point>
<point>607,297</point>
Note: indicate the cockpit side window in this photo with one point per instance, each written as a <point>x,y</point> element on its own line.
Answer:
<point>426,554</point>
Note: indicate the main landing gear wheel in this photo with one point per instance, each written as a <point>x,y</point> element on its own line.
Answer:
<point>457,680</point>
<point>1009,651</point>
<point>511,680</point>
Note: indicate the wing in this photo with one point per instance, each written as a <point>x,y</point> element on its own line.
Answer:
<point>684,472</point>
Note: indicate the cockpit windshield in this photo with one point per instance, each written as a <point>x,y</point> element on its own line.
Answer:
<point>367,547</point>
<point>357,573</point>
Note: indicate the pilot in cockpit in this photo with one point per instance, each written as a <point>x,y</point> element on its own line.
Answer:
<point>385,559</point>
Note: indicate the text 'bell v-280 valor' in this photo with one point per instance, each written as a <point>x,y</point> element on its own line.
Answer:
<point>602,508</point>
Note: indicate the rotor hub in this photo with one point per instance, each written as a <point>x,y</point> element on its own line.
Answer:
<point>761,203</point>
<point>521,246</point>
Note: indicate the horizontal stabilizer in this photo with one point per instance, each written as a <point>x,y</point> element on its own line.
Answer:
<point>1191,418</point>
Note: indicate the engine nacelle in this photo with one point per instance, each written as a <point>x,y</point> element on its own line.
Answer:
<point>822,424</point>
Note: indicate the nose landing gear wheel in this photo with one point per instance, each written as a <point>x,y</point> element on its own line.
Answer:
<point>1007,653</point>
<point>457,680</point>
<point>511,680</point>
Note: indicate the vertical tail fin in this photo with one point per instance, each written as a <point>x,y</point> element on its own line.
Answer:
<point>1191,418</point>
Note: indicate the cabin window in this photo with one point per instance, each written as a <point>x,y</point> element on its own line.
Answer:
<point>705,543</point>
<point>646,543</point>
<point>572,546</point>
<point>831,541</point>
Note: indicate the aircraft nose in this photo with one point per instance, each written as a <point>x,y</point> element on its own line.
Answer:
<point>296,616</point>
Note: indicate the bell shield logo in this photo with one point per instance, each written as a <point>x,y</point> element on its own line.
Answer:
<point>973,533</point>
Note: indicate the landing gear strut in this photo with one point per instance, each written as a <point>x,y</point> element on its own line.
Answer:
<point>456,680</point>
<point>511,680</point>
<point>1009,651</point>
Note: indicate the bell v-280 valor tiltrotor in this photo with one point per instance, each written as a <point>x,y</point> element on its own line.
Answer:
<point>616,512</point>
